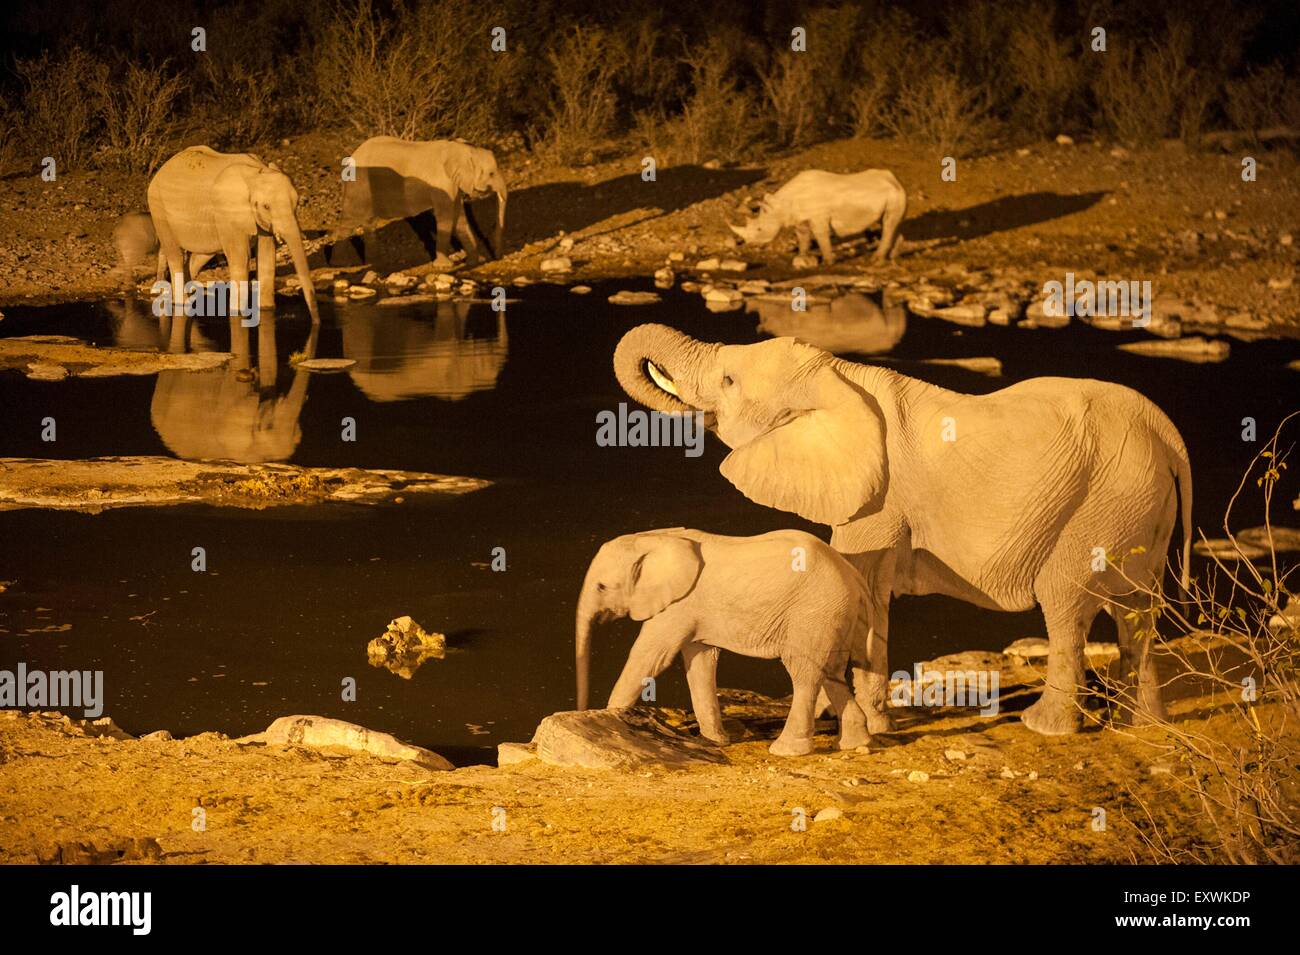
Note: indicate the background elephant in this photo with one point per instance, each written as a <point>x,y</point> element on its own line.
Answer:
<point>203,202</point>
<point>1003,500</point>
<point>234,413</point>
<point>136,242</point>
<point>699,593</point>
<point>400,179</point>
<point>401,355</point>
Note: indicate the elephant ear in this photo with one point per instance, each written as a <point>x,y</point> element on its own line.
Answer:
<point>663,573</point>
<point>824,459</point>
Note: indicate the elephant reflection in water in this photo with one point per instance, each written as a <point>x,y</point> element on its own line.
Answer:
<point>136,327</point>
<point>234,413</point>
<point>405,356</point>
<point>850,323</point>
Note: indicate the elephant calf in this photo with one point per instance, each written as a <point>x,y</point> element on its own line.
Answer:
<point>783,595</point>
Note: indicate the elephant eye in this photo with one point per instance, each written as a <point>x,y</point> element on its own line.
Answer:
<point>600,587</point>
<point>726,381</point>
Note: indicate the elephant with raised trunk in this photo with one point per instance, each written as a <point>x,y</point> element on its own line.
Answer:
<point>398,179</point>
<point>203,202</point>
<point>781,595</point>
<point>1057,492</point>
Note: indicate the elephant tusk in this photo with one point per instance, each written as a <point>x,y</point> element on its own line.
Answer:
<point>661,379</point>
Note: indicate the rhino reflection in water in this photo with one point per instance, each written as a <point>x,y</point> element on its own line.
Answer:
<point>234,413</point>
<point>850,323</point>
<point>401,356</point>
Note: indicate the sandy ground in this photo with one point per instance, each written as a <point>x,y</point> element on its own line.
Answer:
<point>949,786</point>
<point>1185,221</point>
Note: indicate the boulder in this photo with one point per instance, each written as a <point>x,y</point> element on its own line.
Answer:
<point>321,732</point>
<point>626,297</point>
<point>404,647</point>
<point>512,754</point>
<point>557,263</point>
<point>1195,349</point>
<point>628,738</point>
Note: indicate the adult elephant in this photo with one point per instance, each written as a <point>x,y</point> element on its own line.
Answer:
<point>1031,494</point>
<point>203,202</point>
<point>396,178</point>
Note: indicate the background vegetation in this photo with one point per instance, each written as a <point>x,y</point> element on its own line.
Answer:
<point>116,84</point>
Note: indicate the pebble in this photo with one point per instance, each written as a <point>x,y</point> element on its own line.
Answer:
<point>918,776</point>
<point>827,814</point>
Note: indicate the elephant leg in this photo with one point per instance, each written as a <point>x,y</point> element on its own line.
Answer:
<point>871,682</point>
<point>464,231</point>
<point>170,251</point>
<point>888,238</point>
<point>853,722</point>
<point>1139,702</point>
<point>444,211</point>
<point>1057,712</point>
<point>236,249</point>
<point>822,233</point>
<point>702,677</point>
<point>265,272</point>
<point>162,265</point>
<point>796,738</point>
<point>654,650</point>
<point>198,262</point>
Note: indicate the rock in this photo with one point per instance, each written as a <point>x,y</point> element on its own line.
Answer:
<point>754,287</point>
<point>158,736</point>
<point>827,814</point>
<point>1279,283</point>
<point>1224,549</point>
<point>707,265</point>
<point>968,314</point>
<point>512,754</point>
<point>105,727</point>
<point>342,284</point>
<point>328,364</point>
<point>40,371</point>
<point>732,265</point>
<point>1195,349</point>
<point>1064,140</point>
<point>321,732</point>
<point>404,647</point>
<point>1287,617</point>
<point>139,849</point>
<point>627,297</point>
<point>401,280</point>
<point>396,300</point>
<point>558,263</point>
<point>581,290</point>
<point>918,776</point>
<point>370,278</point>
<point>676,256</point>
<point>723,296</point>
<point>1283,538</point>
<point>1032,650</point>
<point>619,739</point>
<point>665,277</point>
<point>1028,649</point>
<point>361,291</point>
<point>1037,317</point>
<point>804,262</point>
<point>566,243</point>
<point>984,365</point>
<point>954,755</point>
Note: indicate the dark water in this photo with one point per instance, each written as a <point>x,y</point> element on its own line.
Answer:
<point>292,595</point>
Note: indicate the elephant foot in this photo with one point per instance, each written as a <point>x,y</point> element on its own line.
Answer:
<point>878,721</point>
<point>718,736</point>
<point>1053,715</point>
<point>1147,711</point>
<point>791,746</point>
<point>851,737</point>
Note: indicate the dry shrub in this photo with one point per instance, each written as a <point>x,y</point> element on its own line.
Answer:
<point>61,119</point>
<point>405,74</point>
<point>887,53</point>
<point>936,107</point>
<point>809,92</point>
<point>1047,73</point>
<point>240,107</point>
<point>585,64</point>
<point>137,110</point>
<point>717,118</point>
<point>1260,100</point>
<point>1148,97</point>
<point>1242,647</point>
<point>9,138</point>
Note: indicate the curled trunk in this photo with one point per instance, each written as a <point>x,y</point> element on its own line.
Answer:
<point>678,361</point>
<point>582,645</point>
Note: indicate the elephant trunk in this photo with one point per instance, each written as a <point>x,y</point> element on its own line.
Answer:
<point>497,248</point>
<point>588,608</point>
<point>293,239</point>
<point>664,369</point>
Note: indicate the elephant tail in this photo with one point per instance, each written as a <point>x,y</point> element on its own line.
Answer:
<point>1183,475</point>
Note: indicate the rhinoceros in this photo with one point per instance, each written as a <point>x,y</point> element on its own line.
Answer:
<point>817,203</point>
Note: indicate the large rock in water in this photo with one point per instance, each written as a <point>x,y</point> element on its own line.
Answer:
<point>321,732</point>
<point>619,739</point>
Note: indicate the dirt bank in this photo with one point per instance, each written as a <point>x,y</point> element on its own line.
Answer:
<point>1185,221</point>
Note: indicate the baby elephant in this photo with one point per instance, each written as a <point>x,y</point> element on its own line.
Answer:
<point>817,203</point>
<point>781,595</point>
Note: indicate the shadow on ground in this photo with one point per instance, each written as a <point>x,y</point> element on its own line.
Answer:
<point>538,212</point>
<point>998,215</point>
